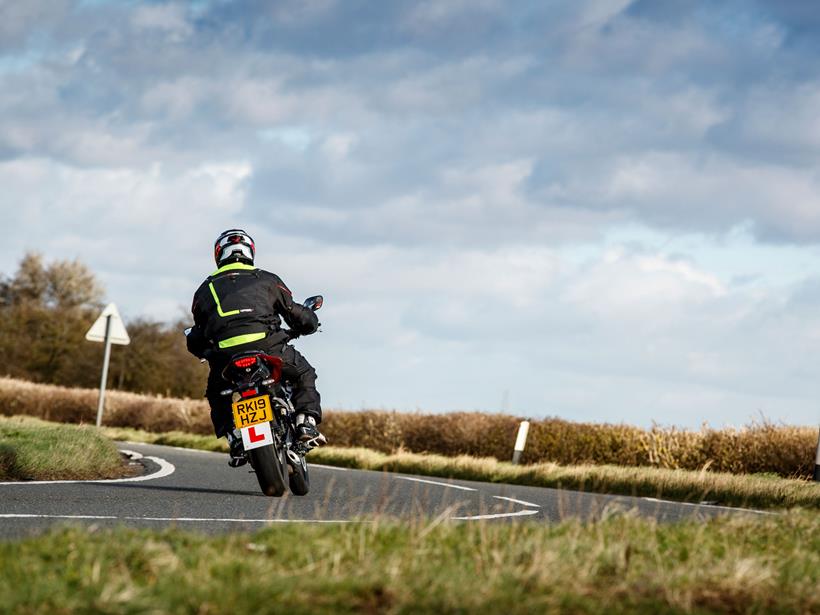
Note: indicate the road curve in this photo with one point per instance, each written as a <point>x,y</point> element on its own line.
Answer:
<point>197,490</point>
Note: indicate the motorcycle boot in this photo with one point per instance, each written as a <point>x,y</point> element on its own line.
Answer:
<point>307,431</point>
<point>237,449</point>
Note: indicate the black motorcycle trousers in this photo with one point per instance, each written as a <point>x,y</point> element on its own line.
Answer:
<point>295,369</point>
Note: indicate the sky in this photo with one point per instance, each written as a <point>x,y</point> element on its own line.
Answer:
<point>595,210</point>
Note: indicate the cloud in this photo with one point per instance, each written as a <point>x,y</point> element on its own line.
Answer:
<point>450,175</point>
<point>19,21</point>
<point>170,19</point>
<point>643,289</point>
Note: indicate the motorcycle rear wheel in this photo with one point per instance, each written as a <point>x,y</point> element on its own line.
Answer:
<point>271,468</point>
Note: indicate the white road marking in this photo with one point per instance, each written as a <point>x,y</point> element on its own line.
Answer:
<point>197,450</point>
<point>30,516</point>
<point>183,449</point>
<point>433,482</point>
<point>319,465</point>
<point>707,506</point>
<point>174,519</point>
<point>165,469</point>
<point>501,497</point>
<point>520,513</point>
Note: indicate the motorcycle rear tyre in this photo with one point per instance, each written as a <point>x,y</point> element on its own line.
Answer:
<point>299,478</point>
<point>271,469</point>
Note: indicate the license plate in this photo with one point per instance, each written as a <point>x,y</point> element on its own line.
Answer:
<point>247,412</point>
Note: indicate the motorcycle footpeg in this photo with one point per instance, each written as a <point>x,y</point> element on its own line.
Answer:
<point>236,462</point>
<point>319,440</point>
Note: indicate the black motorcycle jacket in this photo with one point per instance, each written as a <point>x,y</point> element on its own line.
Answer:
<point>240,304</point>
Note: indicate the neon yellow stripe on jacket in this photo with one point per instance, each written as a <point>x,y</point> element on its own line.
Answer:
<point>242,339</point>
<point>234,267</point>
<point>219,305</point>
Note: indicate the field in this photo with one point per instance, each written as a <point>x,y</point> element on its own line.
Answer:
<point>786,451</point>
<point>618,565</point>
<point>31,449</point>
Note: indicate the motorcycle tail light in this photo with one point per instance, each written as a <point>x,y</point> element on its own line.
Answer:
<point>249,393</point>
<point>245,362</point>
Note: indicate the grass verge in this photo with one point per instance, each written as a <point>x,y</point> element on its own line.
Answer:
<point>684,485</point>
<point>622,564</point>
<point>31,449</point>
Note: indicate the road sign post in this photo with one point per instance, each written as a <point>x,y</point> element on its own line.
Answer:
<point>107,329</point>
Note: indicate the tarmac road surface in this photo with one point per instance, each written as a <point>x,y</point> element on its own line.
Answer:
<point>193,489</point>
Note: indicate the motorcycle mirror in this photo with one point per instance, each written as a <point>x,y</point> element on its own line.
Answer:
<point>314,302</point>
<point>187,331</point>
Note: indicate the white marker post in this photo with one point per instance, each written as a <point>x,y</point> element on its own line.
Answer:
<point>109,329</point>
<point>520,441</point>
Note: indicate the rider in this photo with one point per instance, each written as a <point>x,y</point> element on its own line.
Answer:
<point>240,307</point>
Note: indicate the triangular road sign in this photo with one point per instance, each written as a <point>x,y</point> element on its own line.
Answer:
<point>117,331</point>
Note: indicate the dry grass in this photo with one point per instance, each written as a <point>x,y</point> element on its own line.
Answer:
<point>621,564</point>
<point>68,405</point>
<point>759,448</point>
<point>684,485</point>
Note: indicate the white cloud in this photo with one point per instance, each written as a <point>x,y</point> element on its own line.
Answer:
<point>638,290</point>
<point>450,175</point>
<point>301,12</point>
<point>667,187</point>
<point>443,13</point>
<point>168,18</point>
<point>770,119</point>
<point>136,197</point>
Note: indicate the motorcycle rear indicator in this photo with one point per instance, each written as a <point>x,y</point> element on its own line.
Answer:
<point>245,362</point>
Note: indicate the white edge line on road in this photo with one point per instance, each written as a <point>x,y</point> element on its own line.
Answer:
<point>165,469</point>
<point>708,506</point>
<point>520,513</point>
<point>195,450</point>
<point>182,449</point>
<point>433,482</point>
<point>173,519</point>
<point>30,516</point>
<point>501,497</point>
<point>319,465</point>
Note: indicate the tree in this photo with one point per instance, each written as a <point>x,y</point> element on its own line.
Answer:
<point>157,361</point>
<point>45,310</point>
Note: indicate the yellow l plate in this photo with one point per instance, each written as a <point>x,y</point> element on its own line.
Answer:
<point>252,411</point>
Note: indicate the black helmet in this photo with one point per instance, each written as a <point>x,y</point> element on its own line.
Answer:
<point>234,243</point>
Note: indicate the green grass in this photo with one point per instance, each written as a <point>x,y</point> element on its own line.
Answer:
<point>622,564</point>
<point>31,449</point>
<point>759,491</point>
<point>168,438</point>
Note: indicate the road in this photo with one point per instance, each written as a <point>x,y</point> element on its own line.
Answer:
<point>197,490</point>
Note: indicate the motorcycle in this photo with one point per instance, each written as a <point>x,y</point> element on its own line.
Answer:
<point>263,413</point>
